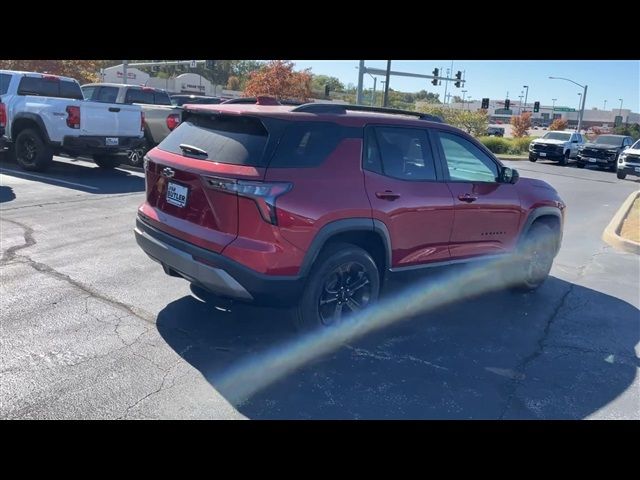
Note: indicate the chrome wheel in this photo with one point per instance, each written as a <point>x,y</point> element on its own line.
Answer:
<point>346,290</point>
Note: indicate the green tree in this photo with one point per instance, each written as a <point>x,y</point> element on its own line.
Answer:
<point>318,82</point>
<point>475,123</point>
<point>633,130</point>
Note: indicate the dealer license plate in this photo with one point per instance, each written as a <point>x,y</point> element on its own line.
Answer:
<point>177,194</point>
<point>111,141</point>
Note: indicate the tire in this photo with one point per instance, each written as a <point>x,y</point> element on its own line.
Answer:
<point>31,152</point>
<point>621,175</point>
<point>532,158</point>
<point>107,161</point>
<point>579,165</point>
<point>565,158</point>
<point>338,267</point>
<point>135,158</point>
<point>535,258</point>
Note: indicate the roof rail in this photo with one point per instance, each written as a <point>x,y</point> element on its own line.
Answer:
<point>263,100</point>
<point>342,108</point>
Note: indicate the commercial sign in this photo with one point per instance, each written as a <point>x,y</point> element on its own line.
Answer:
<point>563,109</point>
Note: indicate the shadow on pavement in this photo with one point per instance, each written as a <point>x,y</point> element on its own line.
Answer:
<point>6,194</point>
<point>78,175</point>
<point>564,351</point>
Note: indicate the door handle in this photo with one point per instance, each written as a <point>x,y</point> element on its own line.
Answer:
<point>467,197</point>
<point>388,195</point>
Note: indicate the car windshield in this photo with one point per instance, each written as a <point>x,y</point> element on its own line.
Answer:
<point>636,146</point>
<point>609,140</point>
<point>557,136</point>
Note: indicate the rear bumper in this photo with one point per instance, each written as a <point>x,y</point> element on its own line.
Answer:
<point>97,144</point>
<point>220,275</point>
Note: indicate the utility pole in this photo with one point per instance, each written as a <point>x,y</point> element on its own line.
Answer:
<point>605,105</point>
<point>124,71</point>
<point>373,94</point>
<point>360,81</point>
<point>386,85</point>
<point>525,97</point>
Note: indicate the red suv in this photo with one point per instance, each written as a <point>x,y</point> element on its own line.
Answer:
<point>315,205</point>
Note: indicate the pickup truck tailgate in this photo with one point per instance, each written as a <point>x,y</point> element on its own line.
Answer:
<point>110,119</point>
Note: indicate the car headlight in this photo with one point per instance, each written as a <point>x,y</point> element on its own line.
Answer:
<point>622,157</point>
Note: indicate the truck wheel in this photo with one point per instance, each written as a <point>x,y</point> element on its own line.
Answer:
<point>136,157</point>
<point>107,161</point>
<point>532,158</point>
<point>565,158</point>
<point>535,257</point>
<point>621,175</point>
<point>343,280</point>
<point>579,164</point>
<point>31,151</point>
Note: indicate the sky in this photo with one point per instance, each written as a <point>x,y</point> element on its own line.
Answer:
<point>607,80</point>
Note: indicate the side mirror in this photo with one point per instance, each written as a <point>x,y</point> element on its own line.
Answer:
<point>509,175</point>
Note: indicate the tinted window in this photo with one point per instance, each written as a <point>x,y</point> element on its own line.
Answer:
<point>137,95</point>
<point>557,136</point>
<point>405,153</point>
<point>371,152</point>
<point>107,94</point>
<point>5,78</point>
<point>609,140</point>
<point>161,98</point>
<point>49,87</point>
<point>465,161</point>
<point>306,144</point>
<point>226,139</point>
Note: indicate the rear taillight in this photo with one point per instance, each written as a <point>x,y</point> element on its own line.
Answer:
<point>264,194</point>
<point>73,116</point>
<point>142,121</point>
<point>173,120</point>
<point>3,115</point>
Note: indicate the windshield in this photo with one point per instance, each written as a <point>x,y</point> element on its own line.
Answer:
<point>557,136</point>
<point>636,146</point>
<point>609,140</point>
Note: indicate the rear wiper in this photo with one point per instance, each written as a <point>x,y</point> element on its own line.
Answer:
<point>190,149</point>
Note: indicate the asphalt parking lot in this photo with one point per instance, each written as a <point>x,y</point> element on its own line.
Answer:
<point>91,328</point>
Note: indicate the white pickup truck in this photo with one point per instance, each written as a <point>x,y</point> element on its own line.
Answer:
<point>44,115</point>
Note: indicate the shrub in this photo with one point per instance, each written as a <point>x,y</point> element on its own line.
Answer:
<point>558,124</point>
<point>520,145</point>
<point>521,124</point>
<point>496,144</point>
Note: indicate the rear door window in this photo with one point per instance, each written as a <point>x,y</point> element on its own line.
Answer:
<point>405,153</point>
<point>107,94</point>
<point>161,98</point>
<point>223,138</point>
<point>49,87</point>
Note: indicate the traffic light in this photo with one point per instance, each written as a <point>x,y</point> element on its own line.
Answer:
<point>485,103</point>
<point>458,77</point>
<point>435,74</point>
<point>507,104</point>
<point>209,64</point>
<point>536,107</point>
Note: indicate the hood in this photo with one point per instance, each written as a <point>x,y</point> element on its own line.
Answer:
<point>550,141</point>
<point>600,146</point>
<point>632,151</point>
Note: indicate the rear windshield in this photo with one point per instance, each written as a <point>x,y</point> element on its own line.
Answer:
<point>225,139</point>
<point>147,96</point>
<point>5,78</point>
<point>50,87</point>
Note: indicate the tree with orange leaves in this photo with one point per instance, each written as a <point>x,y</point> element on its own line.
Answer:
<point>277,79</point>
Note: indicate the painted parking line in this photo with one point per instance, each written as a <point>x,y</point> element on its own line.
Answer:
<point>42,177</point>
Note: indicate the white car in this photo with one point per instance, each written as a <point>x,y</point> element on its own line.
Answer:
<point>629,161</point>
<point>556,145</point>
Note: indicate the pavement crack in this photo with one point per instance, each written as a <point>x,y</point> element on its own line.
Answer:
<point>29,241</point>
<point>157,390</point>
<point>524,363</point>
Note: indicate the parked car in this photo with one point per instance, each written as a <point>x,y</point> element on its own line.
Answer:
<point>555,145</point>
<point>180,99</point>
<point>603,151</point>
<point>316,206</point>
<point>629,161</point>
<point>45,115</point>
<point>160,115</point>
<point>495,131</point>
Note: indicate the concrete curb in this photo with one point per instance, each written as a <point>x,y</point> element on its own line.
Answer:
<point>611,234</point>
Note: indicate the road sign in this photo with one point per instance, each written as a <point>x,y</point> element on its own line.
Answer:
<point>193,64</point>
<point>564,109</point>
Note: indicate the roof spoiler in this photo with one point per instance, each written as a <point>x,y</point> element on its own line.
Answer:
<point>342,109</point>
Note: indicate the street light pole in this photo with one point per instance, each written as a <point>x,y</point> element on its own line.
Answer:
<point>520,103</point>
<point>579,103</point>
<point>525,97</point>
<point>605,105</point>
<point>584,97</point>
<point>553,106</point>
<point>620,111</point>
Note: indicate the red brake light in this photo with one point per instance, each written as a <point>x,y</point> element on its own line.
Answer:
<point>173,120</point>
<point>264,194</point>
<point>73,116</point>
<point>3,115</point>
